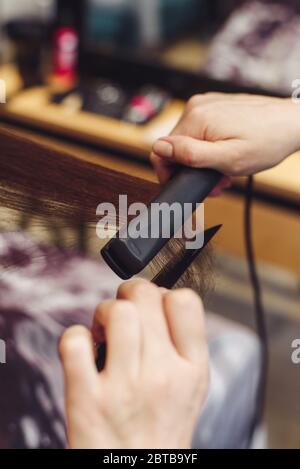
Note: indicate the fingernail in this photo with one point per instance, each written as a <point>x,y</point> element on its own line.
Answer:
<point>163,149</point>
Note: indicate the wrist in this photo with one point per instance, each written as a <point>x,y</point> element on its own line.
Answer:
<point>293,130</point>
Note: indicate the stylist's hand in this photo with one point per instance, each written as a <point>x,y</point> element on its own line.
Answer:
<point>156,374</point>
<point>238,135</point>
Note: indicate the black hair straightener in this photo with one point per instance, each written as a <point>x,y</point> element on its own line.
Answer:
<point>128,257</point>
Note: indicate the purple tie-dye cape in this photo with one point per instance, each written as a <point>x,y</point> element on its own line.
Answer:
<point>43,290</point>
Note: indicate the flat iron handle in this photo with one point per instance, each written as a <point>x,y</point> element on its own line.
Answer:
<point>189,185</point>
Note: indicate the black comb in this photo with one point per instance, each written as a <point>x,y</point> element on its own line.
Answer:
<point>171,274</point>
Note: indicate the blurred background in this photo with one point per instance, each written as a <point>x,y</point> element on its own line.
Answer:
<point>137,62</point>
<point>249,42</point>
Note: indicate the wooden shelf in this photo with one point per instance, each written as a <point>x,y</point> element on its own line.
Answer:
<point>33,107</point>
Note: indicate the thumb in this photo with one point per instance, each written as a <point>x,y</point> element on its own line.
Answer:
<point>192,152</point>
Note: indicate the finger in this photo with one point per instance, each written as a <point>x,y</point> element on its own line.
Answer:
<point>77,356</point>
<point>163,169</point>
<point>185,316</point>
<point>189,151</point>
<point>121,323</point>
<point>148,301</point>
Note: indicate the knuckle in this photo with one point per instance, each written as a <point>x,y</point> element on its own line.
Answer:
<point>186,296</point>
<point>189,155</point>
<point>213,95</point>
<point>197,113</point>
<point>121,309</point>
<point>71,341</point>
<point>133,287</point>
<point>238,165</point>
<point>122,290</point>
<point>142,289</point>
<point>236,162</point>
<point>193,101</point>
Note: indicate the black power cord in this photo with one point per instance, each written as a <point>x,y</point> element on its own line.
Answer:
<point>260,316</point>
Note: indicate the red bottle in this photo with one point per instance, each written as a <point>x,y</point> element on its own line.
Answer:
<point>66,54</point>
<point>66,43</point>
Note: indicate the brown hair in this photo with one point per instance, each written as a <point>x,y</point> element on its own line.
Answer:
<point>39,180</point>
